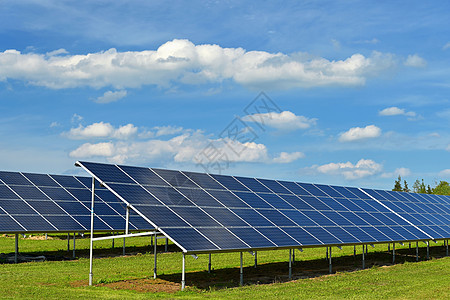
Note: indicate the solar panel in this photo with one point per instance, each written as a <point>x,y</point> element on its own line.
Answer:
<point>225,213</point>
<point>49,203</point>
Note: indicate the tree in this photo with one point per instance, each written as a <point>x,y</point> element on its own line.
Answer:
<point>405,187</point>
<point>398,184</point>
<point>416,186</point>
<point>443,188</point>
<point>429,191</point>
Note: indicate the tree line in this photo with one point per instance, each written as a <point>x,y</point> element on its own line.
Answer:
<point>441,188</point>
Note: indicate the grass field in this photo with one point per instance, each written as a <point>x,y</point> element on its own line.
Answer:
<point>119,277</point>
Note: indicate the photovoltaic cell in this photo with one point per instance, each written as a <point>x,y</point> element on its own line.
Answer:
<point>264,213</point>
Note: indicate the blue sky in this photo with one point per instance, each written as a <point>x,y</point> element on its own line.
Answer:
<point>358,91</point>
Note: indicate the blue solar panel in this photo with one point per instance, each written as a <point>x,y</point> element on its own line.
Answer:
<point>51,203</point>
<point>191,239</point>
<point>143,176</point>
<point>269,214</point>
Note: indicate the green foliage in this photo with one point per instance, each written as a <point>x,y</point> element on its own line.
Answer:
<point>405,187</point>
<point>419,187</point>
<point>442,188</point>
<point>398,184</point>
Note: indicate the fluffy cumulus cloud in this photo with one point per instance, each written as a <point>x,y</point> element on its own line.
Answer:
<point>363,168</point>
<point>102,130</point>
<point>358,133</point>
<point>403,172</point>
<point>415,61</point>
<point>127,145</point>
<point>448,147</point>
<point>285,157</point>
<point>182,62</point>
<point>111,96</point>
<point>395,111</point>
<point>445,173</point>
<point>284,120</point>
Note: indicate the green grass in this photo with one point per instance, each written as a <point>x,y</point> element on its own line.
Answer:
<point>67,278</point>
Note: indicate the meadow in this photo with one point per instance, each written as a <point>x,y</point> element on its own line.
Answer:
<point>131,276</point>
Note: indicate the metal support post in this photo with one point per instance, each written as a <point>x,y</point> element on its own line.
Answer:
<point>290,264</point>
<point>74,245</point>
<point>428,250</point>
<point>256,259</point>
<point>363,259</point>
<point>330,265</point>
<point>183,273</point>
<point>446,251</point>
<point>151,241</point>
<point>91,248</point>
<point>327,253</point>
<point>46,236</point>
<point>417,251</point>
<point>354,251</point>
<point>68,242</point>
<point>127,224</point>
<point>16,248</point>
<point>112,246</point>
<point>389,247</point>
<point>209,263</point>
<point>154,269</point>
<point>393,252</point>
<point>241,272</point>
<point>409,245</point>
<point>293,256</point>
<point>167,245</point>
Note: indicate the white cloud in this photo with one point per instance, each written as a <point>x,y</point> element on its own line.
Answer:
<point>445,173</point>
<point>363,168</point>
<point>448,148</point>
<point>102,130</point>
<point>76,118</point>
<point>286,157</point>
<point>57,52</point>
<point>415,61</point>
<point>91,150</point>
<point>54,124</point>
<point>446,46</point>
<point>180,61</point>
<point>394,111</point>
<point>403,172</point>
<point>285,120</point>
<point>358,133</point>
<point>111,96</point>
<point>167,130</point>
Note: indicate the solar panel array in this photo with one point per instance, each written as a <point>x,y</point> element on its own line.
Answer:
<point>57,203</point>
<point>430,213</point>
<point>207,213</point>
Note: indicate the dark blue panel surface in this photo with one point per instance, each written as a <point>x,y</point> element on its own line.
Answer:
<point>342,235</point>
<point>175,178</point>
<point>68,181</point>
<point>252,237</point>
<point>6,193</point>
<point>315,203</point>
<point>319,218</point>
<point>337,218</point>
<point>333,203</point>
<point>230,183</point>
<point>169,196</point>
<point>162,216</point>
<point>226,217</point>
<point>313,190</point>
<point>302,236</point>
<point>199,197</point>
<point>298,217</point>
<point>278,237</point>
<point>276,201</point>
<point>108,173</point>
<point>134,194</point>
<point>8,224</point>
<point>40,179</point>
<point>329,191</point>
<point>143,176</point>
<point>57,194</point>
<point>17,207</point>
<point>276,217</point>
<point>274,186</point>
<point>34,223</point>
<point>228,199</point>
<point>195,217</point>
<point>359,233</point>
<point>204,180</point>
<point>74,208</point>
<point>46,207</point>
<point>252,217</point>
<point>29,192</point>
<point>65,223</point>
<point>376,234</point>
<point>223,238</point>
<point>294,188</point>
<point>13,178</point>
<point>322,235</point>
<point>253,184</point>
<point>252,200</point>
<point>190,239</point>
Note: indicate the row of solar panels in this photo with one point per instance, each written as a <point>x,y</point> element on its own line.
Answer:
<point>56,203</point>
<point>205,212</point>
